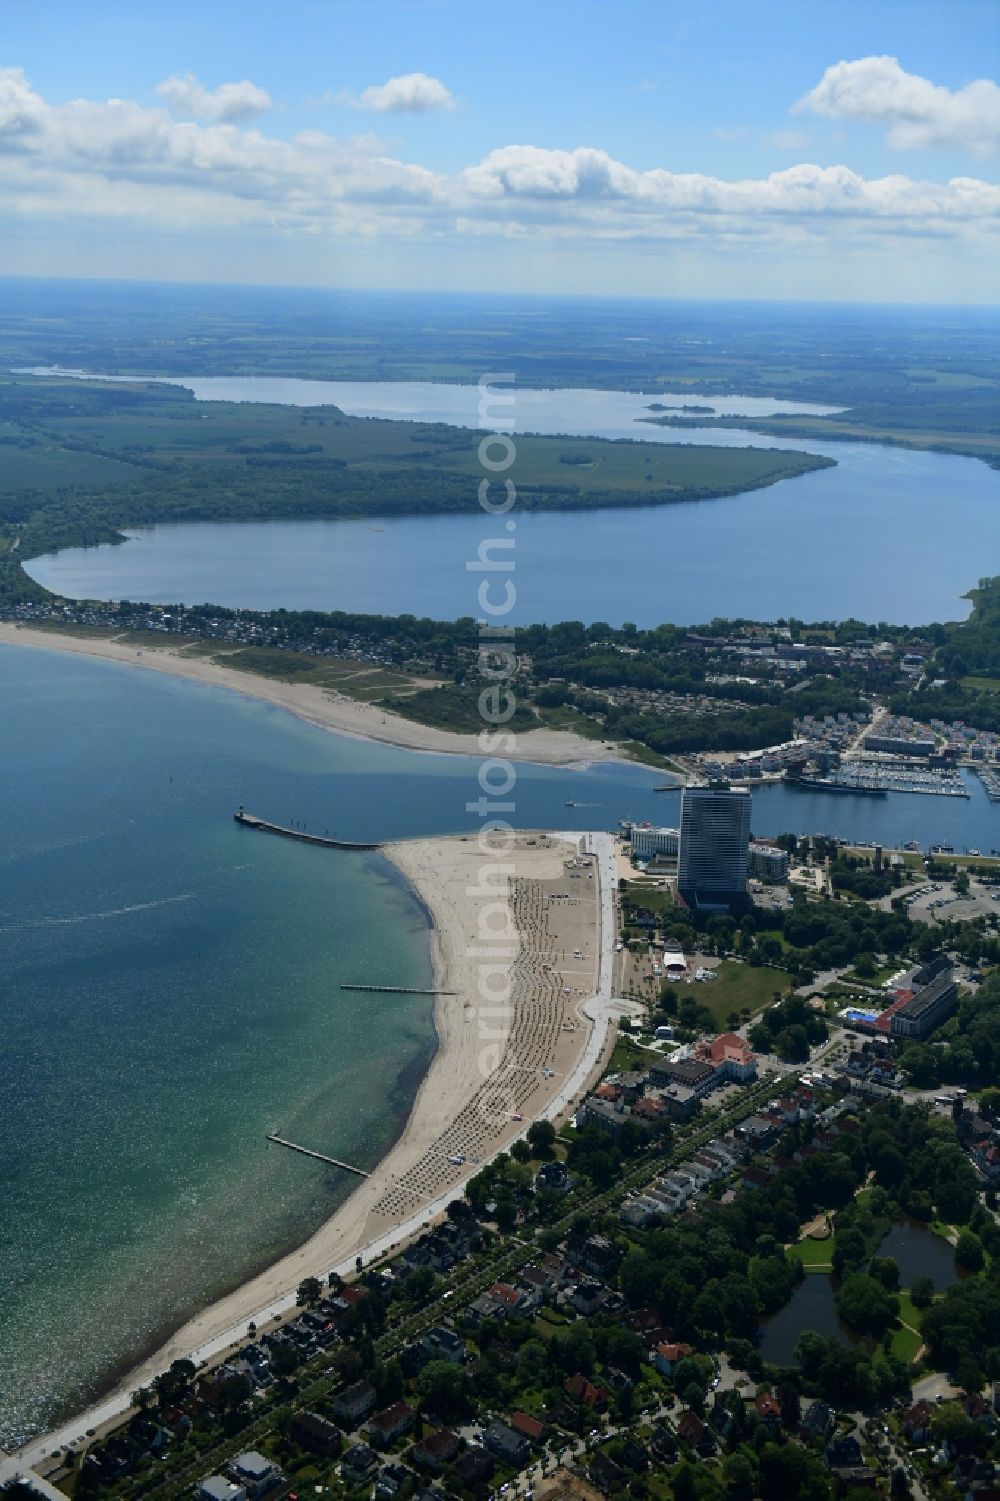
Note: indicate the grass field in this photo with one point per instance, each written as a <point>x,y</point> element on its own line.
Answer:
<point>906,1341</point>
<point>739,987</point>
<point>984,685</point>
<point>815,1255</point>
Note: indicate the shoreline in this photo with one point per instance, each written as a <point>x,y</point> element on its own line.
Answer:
<point>414,1181</point>
<point>321,707</point>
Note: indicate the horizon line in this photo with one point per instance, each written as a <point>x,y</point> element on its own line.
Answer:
<point>450,292</point>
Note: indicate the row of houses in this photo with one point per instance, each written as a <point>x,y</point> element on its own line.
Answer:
<point>742,1152</point>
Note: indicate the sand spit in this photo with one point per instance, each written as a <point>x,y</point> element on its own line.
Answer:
<point>319,706</point>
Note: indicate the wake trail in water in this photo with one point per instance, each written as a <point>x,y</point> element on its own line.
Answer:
<point>82,917</point>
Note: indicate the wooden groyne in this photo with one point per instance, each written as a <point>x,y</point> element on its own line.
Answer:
<point>251,821</point>
<point>398,989</point>
<point>293,1146</point>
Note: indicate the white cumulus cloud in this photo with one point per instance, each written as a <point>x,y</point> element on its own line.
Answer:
<point>409,94</point>
<point>189,98</point>
<point>119,159</point>
<point>915,111</point>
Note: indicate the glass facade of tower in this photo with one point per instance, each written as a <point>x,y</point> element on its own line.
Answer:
<point>715,839</point>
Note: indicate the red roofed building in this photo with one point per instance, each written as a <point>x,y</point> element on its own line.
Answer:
<point>586,1392</point>
<point>385,1427</point>
<point>528,1427</point>
<point>666,1357</point>
<point>731,1055</point>
<point>883,1022</point>
<point>768,1409</point>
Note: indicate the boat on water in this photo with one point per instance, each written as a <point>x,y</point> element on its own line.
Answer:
<point>825,784</point>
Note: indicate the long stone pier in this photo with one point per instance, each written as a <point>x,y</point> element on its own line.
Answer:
<point>251,821</point>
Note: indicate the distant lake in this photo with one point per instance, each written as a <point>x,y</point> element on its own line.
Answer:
<point>889,534</point>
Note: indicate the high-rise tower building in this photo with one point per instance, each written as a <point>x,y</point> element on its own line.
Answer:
<point>714,840</point>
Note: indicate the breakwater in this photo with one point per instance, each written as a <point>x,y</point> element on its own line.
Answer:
<point>251,821</point>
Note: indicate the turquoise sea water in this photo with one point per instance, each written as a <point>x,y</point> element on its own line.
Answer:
<point>169,987</point>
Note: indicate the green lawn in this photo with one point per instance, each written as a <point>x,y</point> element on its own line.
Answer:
<point>815,1255</point>
<point>738,987</point>
<point>907,1341</point>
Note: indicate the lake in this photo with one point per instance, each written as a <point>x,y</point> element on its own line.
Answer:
<point>889,534</point>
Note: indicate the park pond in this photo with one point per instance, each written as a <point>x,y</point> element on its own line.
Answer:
<point>919,1253</point>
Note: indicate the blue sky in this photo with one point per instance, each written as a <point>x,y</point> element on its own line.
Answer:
<point>641,146</point>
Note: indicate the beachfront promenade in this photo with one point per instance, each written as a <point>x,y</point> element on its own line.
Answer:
<point>599,1010</point>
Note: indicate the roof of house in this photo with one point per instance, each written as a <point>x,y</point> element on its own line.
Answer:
<point>253,1465</point>
<point>440,1444</point>
<point>391,1417</point>
<point>767,1405</point>
<point>690,1427</point>
<point>673,1352</point>
<point>524,1423</point>
<point>585,1391</point>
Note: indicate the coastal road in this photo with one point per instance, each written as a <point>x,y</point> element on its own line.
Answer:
<point>600,1010</point>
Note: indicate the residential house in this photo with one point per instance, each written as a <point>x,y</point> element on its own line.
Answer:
<point>602,1115</point>
<point>316,1434</point>
<point>680,1102</point>
<point>519,1302</point>
<point>844,1454</point>
<point>817,1420</point>
<point>979,1411</point>
<point>474,1467</point>
<point>663,1444</point>
<point>586,1392</point>
<point>353,1404</point>
<point>639,1212</point>
<point>917,1421</point>
<point>485,1307</point>
<point>768,1410</point>
<point>605,1473</point>
<point>668,1355</point>
<point>391,1481</point>
<point>358,1463</point>
<point>528,1427</point>
<point>390,1424</point>
<point>600,1255</point>
<point>443,1344</point>
<point>553,1175</point>
<point>510,1448</point>
<point>587,1298</point>
<point>218,1488</point>
<point>257,1475</point>
<point>691,1430</point>
<point>436,1450</point>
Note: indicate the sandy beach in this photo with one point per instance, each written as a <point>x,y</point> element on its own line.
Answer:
<point>497,1067</point>
<point>319,706</point>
